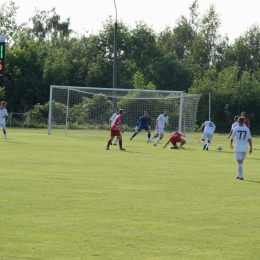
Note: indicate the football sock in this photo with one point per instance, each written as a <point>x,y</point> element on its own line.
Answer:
<point>5,137</point>
<point>203,143</point>
<point>152,137</point>
<point>157,141</point>
<point>240,170</point>
<point>208,145</point>
<point>109,142</point>
<point>120,143</point>
<point>134,135</point>
<point>116,141</point>
<point>149,135</point>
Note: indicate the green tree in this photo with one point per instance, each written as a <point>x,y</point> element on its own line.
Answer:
<point>245,50</point>
<point>23,77</point>
<point>139,82</point>
<point>209,47</point>
<point>47,24</point>
<point>8,24</point>
<point>2,93</point>
<point>143,49</point>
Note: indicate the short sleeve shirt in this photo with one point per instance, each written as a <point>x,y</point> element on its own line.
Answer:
<point>176,134</point>
<point>116,123</point>
<point>209,127</point>
<point>242,134</point>
<point>162,120</point>
<point>3,112</point>
<point>234,125</point>
<point>113,117</point>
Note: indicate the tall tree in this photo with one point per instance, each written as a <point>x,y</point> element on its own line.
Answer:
<point>209,47</point>
<point>47,24</point>
<point>246,49</point>
<point>8,24</point>
<point>143,49</point>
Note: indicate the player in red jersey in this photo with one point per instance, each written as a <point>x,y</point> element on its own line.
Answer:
<point>116,130</point>
<point>176,137</point>
<point>246,120</point>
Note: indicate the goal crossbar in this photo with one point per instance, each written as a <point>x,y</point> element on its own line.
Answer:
<point>117,89</point>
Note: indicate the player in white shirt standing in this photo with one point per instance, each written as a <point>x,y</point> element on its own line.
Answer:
<point>111,119</point>
<point>209,129</point>
<point>3,115</point>
<point>159,128</point>
<point>243,138</point>
<point>233,125</point>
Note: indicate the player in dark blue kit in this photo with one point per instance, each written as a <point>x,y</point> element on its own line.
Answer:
<point>143,123</point>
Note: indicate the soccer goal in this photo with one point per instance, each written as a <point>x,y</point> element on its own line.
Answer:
<point>18,119</point>
<point>90,108</point>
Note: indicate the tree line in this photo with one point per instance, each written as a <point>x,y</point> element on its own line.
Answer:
<point>192,56</point>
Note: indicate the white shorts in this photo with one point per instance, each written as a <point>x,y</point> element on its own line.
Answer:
<point>159,131</point>
<point>3,126</point>
<point>240,155</point>
<point>206,135</point>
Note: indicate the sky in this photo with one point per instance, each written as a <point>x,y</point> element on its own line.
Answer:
<point>88,15</point>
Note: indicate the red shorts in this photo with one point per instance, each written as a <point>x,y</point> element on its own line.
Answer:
<point>175,140</point>
<point>115,133</point>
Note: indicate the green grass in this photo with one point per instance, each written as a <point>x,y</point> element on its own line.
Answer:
<point>66,197</point>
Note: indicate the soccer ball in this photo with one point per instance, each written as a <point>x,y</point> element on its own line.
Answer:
<point>219,147</point>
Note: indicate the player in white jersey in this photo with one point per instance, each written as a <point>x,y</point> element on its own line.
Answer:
<point>3,115</point>
<point>111,119</point>
<point>209,129</point>
<point>159,128</point>
<point>243,138</point>
<point>235,124</point>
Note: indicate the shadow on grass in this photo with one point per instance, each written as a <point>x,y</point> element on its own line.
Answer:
<point>127,151</point>
<point>253,181</point>
<point>254,159</point>
<point>13,142</point>
<point>225,152</point>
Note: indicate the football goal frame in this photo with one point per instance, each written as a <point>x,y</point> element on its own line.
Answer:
<point>12,114</point>
<point>114,95</point>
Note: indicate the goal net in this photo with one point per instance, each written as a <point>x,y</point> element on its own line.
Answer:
<point>90,108</point>
<point>18,119</point>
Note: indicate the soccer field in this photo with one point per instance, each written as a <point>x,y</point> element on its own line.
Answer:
<point>66,197</point>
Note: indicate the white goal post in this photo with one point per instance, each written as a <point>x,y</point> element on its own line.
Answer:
<point>90,107</point>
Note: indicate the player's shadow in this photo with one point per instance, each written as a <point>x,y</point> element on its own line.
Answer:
<point>188,149</point>
<point>226,152</point>
<point>127,151</point>
<point>255,159</point>
<point>13,142</point>
<point>253,181</point>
